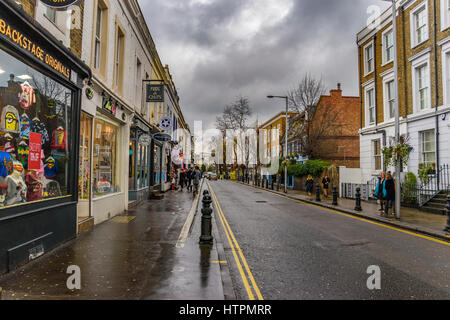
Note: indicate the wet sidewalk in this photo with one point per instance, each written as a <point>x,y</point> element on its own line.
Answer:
<point>131,257</point>
<point>411,219</point>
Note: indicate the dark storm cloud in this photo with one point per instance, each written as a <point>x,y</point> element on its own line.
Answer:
<point>220,49</point>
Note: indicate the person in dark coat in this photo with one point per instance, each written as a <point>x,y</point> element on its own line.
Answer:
<point>309,184</point>
<point>189,179</point>
<point>182,179</point>
<point>390,193</point>
<point>326,185</point>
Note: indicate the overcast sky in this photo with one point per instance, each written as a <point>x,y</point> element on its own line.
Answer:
<point>218,50</point>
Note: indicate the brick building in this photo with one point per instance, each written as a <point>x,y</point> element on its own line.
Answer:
<point>424,90</point>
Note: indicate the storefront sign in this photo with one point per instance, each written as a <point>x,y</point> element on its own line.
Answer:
<point>89,93</point>
<point>58,4</point>
<point>24,42</point>
<point>163,137</point>
<point>34,158</point>
<point>145,140</point>
<point>165,123</point>
<point>109,106</point>
<point>155,93</point>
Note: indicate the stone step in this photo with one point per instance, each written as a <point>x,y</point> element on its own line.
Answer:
<point>433,209</point>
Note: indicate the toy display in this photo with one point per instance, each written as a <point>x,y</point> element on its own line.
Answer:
<point>17,189</point>
<point>19,184</point>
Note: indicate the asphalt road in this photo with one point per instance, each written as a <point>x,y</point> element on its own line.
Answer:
<point>297,251</point>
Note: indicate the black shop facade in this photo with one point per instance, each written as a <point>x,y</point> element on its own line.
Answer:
<point>41,83</point>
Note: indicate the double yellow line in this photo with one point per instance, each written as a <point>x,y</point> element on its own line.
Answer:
<point>237,253</point>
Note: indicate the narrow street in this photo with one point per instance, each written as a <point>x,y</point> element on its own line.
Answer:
<point>297,251</point>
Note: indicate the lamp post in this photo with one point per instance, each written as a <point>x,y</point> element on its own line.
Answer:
<point>286,139</point>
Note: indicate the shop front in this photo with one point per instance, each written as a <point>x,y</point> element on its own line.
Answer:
<point>139,161</point>
<point>40,100</point>
<point>104,137</point>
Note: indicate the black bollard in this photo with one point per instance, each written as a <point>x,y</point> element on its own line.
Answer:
<point>358,200</point>
<point>318,193</point>
<point>447,229</point>
<point>335,196</point>
<point>206,237</point>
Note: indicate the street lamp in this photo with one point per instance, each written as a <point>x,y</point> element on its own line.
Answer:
<point>396,107</point>
<point>286,139</point>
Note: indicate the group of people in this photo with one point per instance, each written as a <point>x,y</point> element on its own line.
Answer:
<point>385,193</point>
<point>188,178</point>
<point>309,184</point>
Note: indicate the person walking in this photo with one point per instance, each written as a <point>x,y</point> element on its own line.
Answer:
<point>309,184</point>
<point>196,177</point>
<point>380,191</point>
<point>326,185</point>
<point>182,178</point>
<point>390,193</point>
<point>189,179</point>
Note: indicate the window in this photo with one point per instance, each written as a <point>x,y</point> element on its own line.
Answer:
<point>105,158</point>
<point>36,117</point>
<point>139,86</point>
<point>428,140</point>
<point>118,59</point>
<point>377,158</point>
<point>446,75</point>
<point>51,14</point>
<point>368,58</point>
<point>388,45</point>
<point>98,37</point>
<point>422,87</point>
<point>445,14</point>
<point>370,103</point>
<point>390,99</point>
<point>419,23</point>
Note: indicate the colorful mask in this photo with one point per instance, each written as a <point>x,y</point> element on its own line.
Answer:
<point>18,166</point>
<point>50,168</point>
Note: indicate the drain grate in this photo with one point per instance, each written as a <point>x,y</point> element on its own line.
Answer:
<point>261,201</point>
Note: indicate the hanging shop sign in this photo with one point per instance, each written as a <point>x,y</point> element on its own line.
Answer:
<point>165,123</point>
<point>162,137</point>
<point>110,106</point>
<point>59,4</point>
<point>155,93</point>
<point>145,140</point>
<point>89,93</point>
<point>24,41</point>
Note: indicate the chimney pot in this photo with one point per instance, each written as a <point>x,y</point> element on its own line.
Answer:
<point>339,86</point>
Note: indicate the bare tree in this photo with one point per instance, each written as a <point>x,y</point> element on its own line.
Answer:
<point>235,117</point>
<point>313,127</point>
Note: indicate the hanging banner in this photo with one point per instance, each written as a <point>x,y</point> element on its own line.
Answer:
<point>34,158</point>
<point>155,93</point>
<point>59,4</point>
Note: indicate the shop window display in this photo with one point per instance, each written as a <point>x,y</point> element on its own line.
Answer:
<point>105,155</point>
<point>27,98</point>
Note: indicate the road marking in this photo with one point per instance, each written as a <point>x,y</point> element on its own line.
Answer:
<point>220,262</point>
<point>361,219</point>
<point>229,234</point>
<point>187,225</point>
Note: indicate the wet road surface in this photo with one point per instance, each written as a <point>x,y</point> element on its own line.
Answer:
<point>297,251</point>
<point>129,257</point>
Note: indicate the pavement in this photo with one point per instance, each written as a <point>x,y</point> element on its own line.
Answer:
<point>300,251</point>
<point>149,253</point>
<point>411,219</point>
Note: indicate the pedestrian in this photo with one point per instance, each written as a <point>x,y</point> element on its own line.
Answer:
<point>309,184</point>
<point>326,184</point>
<point>380,191</point>
<point>390,194</point>
<point>182,178</point>
<point>189,179</point>
<point>196,177</point>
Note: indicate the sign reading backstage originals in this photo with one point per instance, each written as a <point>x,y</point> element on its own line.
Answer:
<point>155,93</point>
<point>163,137</point>
<point>59,4</point>
<point>32,44</point>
